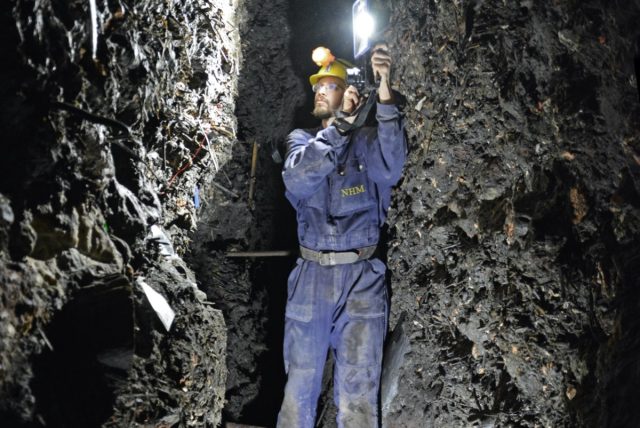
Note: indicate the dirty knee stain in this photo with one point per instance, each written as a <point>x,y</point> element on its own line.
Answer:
<point>298,407</point>
<point>357,413</point>
<point>358,335</point>
<point>360,381</point>
<point>362,343</point>
<point>289,414</point>
<point>359,306</point>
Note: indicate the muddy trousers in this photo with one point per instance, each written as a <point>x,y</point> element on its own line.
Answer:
<point>342,308</point>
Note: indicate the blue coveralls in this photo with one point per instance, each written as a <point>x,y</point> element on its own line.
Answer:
<point>341,190</point>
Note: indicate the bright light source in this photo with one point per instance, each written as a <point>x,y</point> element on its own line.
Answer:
<point>322,56</point>
<point>363,27</point>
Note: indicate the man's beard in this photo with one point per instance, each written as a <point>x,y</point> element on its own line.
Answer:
<point>322,112</point>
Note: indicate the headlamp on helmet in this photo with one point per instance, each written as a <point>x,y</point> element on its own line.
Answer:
<point>335,67</point>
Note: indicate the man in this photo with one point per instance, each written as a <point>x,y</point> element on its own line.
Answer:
<point>340,186</point>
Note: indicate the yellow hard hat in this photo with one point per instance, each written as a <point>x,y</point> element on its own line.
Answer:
<point>330,66</point>
<point>335,69</point>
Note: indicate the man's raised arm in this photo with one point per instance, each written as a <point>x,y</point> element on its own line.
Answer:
<point>386,154</point>
<point>309,159</point>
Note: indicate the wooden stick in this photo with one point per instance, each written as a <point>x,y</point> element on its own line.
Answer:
<point>254,165</point>
<point>283,253</point>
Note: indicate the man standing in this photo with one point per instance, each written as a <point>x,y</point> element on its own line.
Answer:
<point>340,186</point>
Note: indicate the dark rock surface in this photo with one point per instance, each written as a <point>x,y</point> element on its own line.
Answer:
<point>251,291</point>
<point>114,115</point>
<point>515,230</point>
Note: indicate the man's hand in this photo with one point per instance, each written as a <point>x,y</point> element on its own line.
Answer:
<point>381,61</point>
<point>381,66</point>
<point>350,100</point>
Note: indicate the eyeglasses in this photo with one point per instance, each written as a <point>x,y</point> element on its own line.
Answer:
<point>329,87</point>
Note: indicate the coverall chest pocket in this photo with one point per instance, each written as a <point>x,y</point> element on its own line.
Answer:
<point>350,188</point>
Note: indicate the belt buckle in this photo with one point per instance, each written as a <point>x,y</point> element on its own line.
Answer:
<point>327,259</point>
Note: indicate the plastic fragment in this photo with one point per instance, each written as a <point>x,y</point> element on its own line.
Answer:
<point>158,303</point>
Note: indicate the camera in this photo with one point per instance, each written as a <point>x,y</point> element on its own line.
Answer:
<point>356,77</point>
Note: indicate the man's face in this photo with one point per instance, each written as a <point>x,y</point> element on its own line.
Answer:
<point>328,99</point>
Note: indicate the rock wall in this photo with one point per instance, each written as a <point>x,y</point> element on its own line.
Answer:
<point>251,214</point>
<point>515,230</point>
<point>117,118</point>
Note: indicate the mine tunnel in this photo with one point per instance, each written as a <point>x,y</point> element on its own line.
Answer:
<point>146,241</point>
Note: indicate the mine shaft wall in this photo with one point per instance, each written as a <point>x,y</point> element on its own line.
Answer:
<point>252,214</point>
<point>512,244</point>
<point>117,117</point>
<point>515,231</point>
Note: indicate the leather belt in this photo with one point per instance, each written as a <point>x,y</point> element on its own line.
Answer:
<point>331,258</point>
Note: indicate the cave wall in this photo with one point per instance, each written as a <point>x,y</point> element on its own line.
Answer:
<point>251,291</point>
<point>515,231</point>
<point>512,244</point>
<point>117,118</point>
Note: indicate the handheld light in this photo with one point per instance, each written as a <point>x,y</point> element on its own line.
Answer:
<point>363,27</point>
